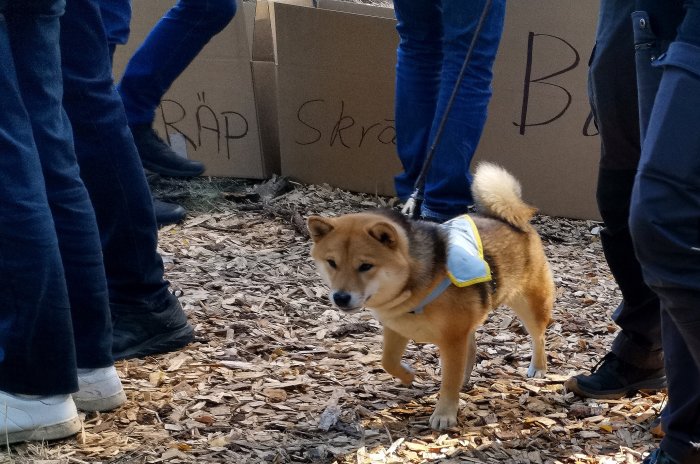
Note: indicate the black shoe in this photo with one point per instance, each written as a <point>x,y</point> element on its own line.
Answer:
<point>158,157</point>
<point>613,378</point>
<point>659,457</point>
<point>139,333</point>
<point>168,213</point>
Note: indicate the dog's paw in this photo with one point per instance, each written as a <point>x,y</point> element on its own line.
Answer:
<point>406,375</point>
<point>535,373</point>
<point>443,420</point>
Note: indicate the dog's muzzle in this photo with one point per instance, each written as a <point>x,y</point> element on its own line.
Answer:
<point>344,301</point>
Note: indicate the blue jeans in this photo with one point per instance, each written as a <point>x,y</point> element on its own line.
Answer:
<point>54,307</point>
<point>169,48</point>
<point>434,39</point>
<point>665,207</point>
<point>109,164</point>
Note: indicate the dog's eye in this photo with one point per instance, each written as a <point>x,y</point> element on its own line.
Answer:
<point>331,263</point>
<point>364,267</point>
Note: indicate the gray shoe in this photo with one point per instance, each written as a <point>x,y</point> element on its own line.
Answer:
<point>100,390</point>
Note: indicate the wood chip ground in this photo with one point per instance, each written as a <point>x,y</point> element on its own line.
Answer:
<point>276,375</point>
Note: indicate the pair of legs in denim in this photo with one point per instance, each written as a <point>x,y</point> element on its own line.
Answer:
<point>169,48</point>
<point>38,302</point>
<point>654,186</point>
<point>434,39</point>
<point>54,306</point>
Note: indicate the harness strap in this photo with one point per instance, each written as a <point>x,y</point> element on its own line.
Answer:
<point>442,286</point>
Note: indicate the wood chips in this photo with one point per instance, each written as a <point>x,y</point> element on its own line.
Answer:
<point>278,376</point>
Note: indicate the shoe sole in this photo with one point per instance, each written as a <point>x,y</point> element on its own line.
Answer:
<point>48,432</point>
<point>171,172</point>
<point>162,221</point>
<point>652,385</point>
<point>161,343</point>
<point>100,404</point>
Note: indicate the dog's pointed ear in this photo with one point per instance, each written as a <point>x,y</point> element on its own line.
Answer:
<point>318,227</point>
<point>385,233</point>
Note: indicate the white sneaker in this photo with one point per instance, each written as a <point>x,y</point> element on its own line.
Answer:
<point>100,389</point>
<point>37,418</point>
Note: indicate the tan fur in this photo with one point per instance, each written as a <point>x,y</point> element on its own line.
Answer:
<point>376,261</point>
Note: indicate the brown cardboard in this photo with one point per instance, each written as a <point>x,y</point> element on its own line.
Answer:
<point>265,80</point>
<point>335,102</point>
<point>356,8</point>
<point>265,90</point>
<point>336,69</point>
<point>264,71</point>
<point>209,113</point>
<point>556,162</point>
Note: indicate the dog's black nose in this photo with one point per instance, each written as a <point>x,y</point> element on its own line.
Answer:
<point>342,299</point>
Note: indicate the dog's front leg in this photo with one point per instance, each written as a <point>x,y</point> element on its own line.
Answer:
<point>453,354</point>
<point>394,347</point>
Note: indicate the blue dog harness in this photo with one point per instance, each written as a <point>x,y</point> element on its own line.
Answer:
<point>465,258</point>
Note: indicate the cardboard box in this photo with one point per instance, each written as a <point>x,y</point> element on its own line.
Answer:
<point>335,72</point>
<point>539,124</point>
<point>209,113</point>
<point>335,95</point>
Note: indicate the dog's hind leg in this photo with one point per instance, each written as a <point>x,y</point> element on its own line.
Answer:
<point>534,308</point>
<point>394,348</point>
<point>471,356</point>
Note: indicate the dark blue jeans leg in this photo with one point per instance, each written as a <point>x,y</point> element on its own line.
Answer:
<point>665,215</point>
<point>613,98</point>
<point>448,186</point>
<point>109,163</point>
<point>665,224</point>
<point>434,44</point>
<point>116,17</point>
<point>418,66</point>
<point>680,419</point>
<point>37,355</point>
<point>73,215</point>
<point>169,48</point>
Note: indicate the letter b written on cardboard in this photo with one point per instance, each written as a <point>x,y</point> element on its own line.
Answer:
<point>529,81</point>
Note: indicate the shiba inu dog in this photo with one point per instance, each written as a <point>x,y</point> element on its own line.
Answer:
<point>398,269</point>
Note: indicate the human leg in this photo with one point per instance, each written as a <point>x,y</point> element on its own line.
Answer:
<point>419,60</point>
<point>116,17</point>
<point>139,296</point>
<point>434,43</point>
<point>36,347</point>
<point>682,348</point>
<point>448,184</point>
<point>636,357</point>
<point>169,48</point>
<point>665,227</point>
<point>37,355</point>
<point>72,212</point>
<point>73,215</point>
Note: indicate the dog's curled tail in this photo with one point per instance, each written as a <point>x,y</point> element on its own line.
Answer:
<point>497,193</point>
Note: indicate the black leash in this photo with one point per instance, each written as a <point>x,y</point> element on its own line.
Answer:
<point>414,202</point>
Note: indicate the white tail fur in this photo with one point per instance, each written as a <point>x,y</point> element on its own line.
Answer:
<point>497,193</point>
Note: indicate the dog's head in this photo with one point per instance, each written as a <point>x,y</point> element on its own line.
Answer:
<point>363,258</point>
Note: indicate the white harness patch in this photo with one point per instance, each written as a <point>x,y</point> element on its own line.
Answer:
<point>465,258</point>
<point>465,254</point>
